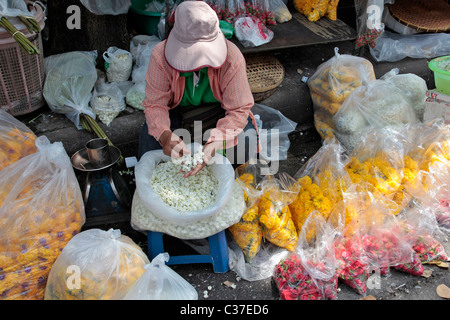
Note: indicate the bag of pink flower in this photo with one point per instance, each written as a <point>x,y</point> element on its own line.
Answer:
<point>309,272</point>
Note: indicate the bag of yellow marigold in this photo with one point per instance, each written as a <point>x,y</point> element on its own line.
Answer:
<point>316,9</point>
<point>41,209</point>
<point>331,84</point>
<point>322,181</point>
<point>16,140</point>
<point>277,192</point>
<point>247,233</point>
<point>96,265</point>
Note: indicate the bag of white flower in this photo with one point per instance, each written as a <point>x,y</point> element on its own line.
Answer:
<point>375,104</point>
<point>199,206</point>
<point>412,86</point>
<point>41,209</point>
<point>331,84</point>
<point>16,140</point>
<point>96,265</point>
<point>118,64</point>
<point>70,78</point>
<point>107,102</point>
<point>160,282</point>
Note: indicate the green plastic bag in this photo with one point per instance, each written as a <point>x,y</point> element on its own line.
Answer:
<point>227,28</point>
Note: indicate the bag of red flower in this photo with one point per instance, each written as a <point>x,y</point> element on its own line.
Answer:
<point>247,233</point>
<point>41,209</point>
<point>422,231</point>
<point>379,233</point>
<point>309,272</point>
<point>277,192</point>
<point>16,140</point>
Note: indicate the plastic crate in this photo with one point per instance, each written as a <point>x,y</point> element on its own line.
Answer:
<point>21,75</point>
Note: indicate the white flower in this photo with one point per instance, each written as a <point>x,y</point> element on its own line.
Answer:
<point>184,194</point>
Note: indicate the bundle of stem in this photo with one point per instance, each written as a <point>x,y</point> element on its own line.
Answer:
<point>20,38</point>
<point>31,23</point>
<point>90,125</point>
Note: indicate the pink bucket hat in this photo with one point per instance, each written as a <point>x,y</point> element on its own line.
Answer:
<point>196,40</point>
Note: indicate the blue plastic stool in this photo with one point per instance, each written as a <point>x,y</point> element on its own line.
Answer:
<point>218,251</point>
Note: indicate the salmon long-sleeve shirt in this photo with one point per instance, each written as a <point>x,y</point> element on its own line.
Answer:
<point>229,84</point>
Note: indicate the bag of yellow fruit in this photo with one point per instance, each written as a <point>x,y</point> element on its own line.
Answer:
<point>41,209</point>
<point>331,84</point>
<point>96,265</point>
<point>16,140</point>
<point>277,192</point>
<point>247,233</point>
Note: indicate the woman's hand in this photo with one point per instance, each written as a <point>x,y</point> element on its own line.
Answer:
<point>209,150</point>
<point>173,145</point>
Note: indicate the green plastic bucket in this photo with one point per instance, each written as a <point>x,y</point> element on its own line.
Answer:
<point>145,22</point>
<point>441,76</point>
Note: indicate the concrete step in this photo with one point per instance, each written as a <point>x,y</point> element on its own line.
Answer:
<point>292,98</point>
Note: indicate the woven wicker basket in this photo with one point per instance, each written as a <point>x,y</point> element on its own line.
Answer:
<point>422,15</point>
<point>264,72</point>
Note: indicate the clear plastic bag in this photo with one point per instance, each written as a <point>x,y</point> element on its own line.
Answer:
<point>14,8</point>
<point>118,64</point>
<point>251,32</point>
<point>107,102</point>
<point>16,140</point>
<point>280,11</point>
<point>332,83</point>
<point>111,7</point>
<point>374,105</point>
<point>277,192</point>
<point>247,233</point>
<point>41,209</point>
<point>309,272</point>
<point>141,54</point>
<point>221,168</point>
<point>136,95</point>
<point>160,282</point>
<point>412,86</point>
<point>102,265</point>
<point>323,181</point>
<point>393,47</point>
<point>274,135</point>
<point>70,78</point>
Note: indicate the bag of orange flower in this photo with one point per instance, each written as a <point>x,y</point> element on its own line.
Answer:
<point>16,140</point>
<point>277,192</point>
<point>331,84</point>
<point>247,233</point>
<point>322,181</point>
<point>96,265</point>
<point>41,209</point>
